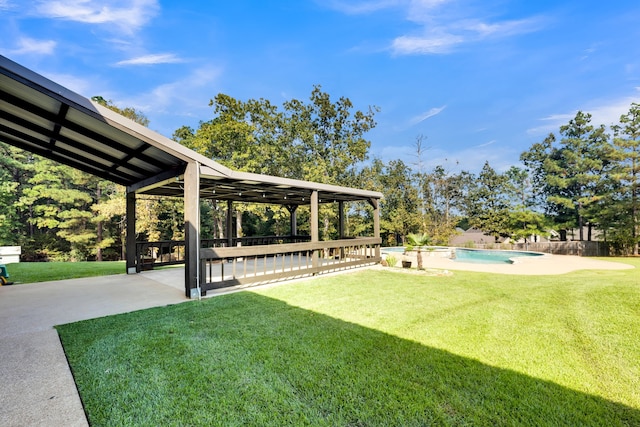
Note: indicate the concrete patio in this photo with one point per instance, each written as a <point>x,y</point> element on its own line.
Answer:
<point>36,383</point>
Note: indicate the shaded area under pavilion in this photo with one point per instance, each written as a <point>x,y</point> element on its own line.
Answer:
<point>43,117</point>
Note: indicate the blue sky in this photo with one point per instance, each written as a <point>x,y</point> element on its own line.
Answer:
<point>479,79</point>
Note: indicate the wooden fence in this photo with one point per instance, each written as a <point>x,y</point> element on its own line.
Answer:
<point>171,252</point>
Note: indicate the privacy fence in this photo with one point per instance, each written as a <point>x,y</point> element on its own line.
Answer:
<point>579,248</point>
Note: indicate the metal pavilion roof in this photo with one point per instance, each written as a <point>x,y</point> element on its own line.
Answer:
<point>43,117</point>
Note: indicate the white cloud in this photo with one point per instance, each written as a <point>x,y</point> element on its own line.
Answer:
<point>185,94</point>
<point>4,4</point>
<point>127,16</point>
<point>409,45</point>
<point>157,58</point>
<point>486,144</point>
<point>424,116</point>
<point>551,124</point>
<point>500,29</point>
<point>444,28</point>
<point>76,84</point>
<point>26,45</point>
<point>470,159</point>
<point>415,8</point>
<point>442,39</point>
<point>361,7</point>
<point>602,113</point>
<point>444,23</point>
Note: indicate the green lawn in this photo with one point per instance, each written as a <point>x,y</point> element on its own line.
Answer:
<point>373,348</point>
<point>30,272</point>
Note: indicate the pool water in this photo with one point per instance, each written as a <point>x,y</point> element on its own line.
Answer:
<point>485,256</point>
<point>400,249</point>
<point>478,256</point>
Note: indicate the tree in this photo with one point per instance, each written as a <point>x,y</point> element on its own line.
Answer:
<point>59,206</point>
<point>627,173</point>
<point>330,135</point>
<point>399,214</point>
<point>572,177</point>
<point>320,141</point>
<point>444,194</point>
<point>128,112</point>
<point>487,205</point>
<point>15,170</point>
<point>418,241</point>
<point>524,221</point>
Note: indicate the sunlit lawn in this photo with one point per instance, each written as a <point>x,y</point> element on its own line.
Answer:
<point>30,272</point>
<point>373,348</point>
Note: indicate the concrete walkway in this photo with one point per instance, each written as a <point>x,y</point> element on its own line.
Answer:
<point>36,385</point>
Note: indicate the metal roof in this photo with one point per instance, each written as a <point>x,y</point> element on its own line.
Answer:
<point>45,118</point>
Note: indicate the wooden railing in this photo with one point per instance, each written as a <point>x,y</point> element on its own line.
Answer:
<point>171,252</point>
<point>224,267</point>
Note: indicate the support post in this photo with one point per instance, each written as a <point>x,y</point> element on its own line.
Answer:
<point>229,224</point>
<point>293,219</point>
<point>341,220</point>
<point>130,252</point>
<point>315,231</point>
<point>376,223</point>
<point>192,229</point>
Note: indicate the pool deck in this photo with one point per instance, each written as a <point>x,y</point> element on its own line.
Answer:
<point>533,266</point>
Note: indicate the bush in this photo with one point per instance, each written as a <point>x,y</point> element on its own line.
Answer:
<point>391,260</point>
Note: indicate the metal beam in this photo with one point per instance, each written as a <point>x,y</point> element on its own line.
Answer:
<point>156,181</point>
<point>78,128</point>
<point>293,219</point>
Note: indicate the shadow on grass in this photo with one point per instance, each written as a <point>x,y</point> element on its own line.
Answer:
<point>245,359</point>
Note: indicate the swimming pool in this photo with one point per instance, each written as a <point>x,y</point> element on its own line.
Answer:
<point>487,256</point>
<point>400,249</point>
<point>477,256</point>
<point>427,251</point>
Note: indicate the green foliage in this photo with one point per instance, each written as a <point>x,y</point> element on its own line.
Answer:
<point>128,112</point>
<point>580,177</point>
<point>443,197</point>
<point>419,241</point>
<point>623,220</point>
<point>487,204</point>
<point>321,140</point>
<point>574,175</point>
<point>391,260</point>
<point>399,208</point>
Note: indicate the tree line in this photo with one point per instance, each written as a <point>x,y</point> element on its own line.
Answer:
<point>582,178</point>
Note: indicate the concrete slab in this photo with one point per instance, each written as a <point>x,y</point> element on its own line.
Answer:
<point>36,383</point>
<point>532,266</point>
